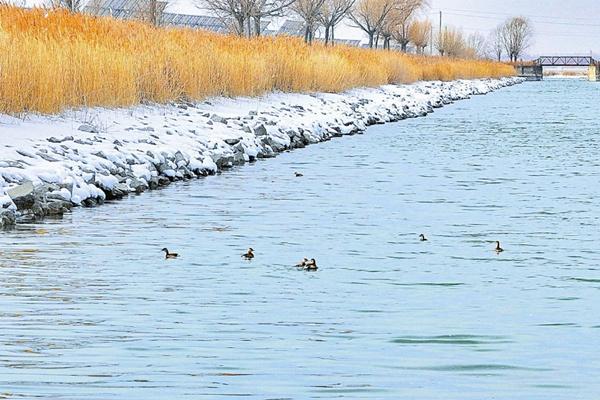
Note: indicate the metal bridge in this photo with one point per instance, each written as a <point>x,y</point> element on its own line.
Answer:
<point>534,70</point>
<point>565,61</point>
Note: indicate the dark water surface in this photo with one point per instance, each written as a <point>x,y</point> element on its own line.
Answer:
<point>89,308</point>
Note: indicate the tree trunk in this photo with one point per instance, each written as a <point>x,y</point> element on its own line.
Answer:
<point>152,11</point>
<point>326,35</point>
<point>257,25</point>
<point>403,45</point>
<point>332,35</point>
<point>241,24</point>
<point>249,27</point>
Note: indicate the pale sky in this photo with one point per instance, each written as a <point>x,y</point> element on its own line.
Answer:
<point>571,27</point>
<point>561,27</point>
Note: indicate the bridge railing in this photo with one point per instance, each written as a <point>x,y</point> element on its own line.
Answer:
<point>565,61</point>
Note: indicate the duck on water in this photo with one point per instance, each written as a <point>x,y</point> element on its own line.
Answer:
<point>311,265</point>
<point>169,254</point>
<point>498,249</point>
<point>249,255</point>
<point>302,263</point>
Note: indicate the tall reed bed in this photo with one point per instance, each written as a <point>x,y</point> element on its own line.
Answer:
<point>51,60</point>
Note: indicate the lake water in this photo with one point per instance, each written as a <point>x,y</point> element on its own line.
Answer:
<point>90,309</point>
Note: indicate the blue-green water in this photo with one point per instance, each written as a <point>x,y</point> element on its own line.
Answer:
<point>89,308</point>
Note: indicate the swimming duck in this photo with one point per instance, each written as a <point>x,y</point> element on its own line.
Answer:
<point>422,238</point>
<point>249,255</point>
<point>498,248</point>
<point>302,263</point>
<point>168,254</point>
<point>311,265</point>
<point>298,174</point>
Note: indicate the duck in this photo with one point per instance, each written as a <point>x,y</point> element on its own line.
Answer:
<point>498,248</point>
<point>311,265</point>
<point>249,255</point>
<point>298,174</point>
<point>422,238</point>
<point>169,254</point>
<point>302,263</point>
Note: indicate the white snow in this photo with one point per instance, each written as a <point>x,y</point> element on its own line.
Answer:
<point>141,143</point>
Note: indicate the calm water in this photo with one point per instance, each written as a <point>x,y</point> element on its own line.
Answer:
<point>89,308</point>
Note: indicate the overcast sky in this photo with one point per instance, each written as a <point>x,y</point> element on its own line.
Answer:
<point>571,27</point>
<point>561,27</point>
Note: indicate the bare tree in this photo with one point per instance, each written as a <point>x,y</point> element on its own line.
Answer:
<point>450,42</point>
<point>419,34</point>
<point>398,20</point>
<point>239,11</point>
<point>387,29</point>
<point>246,15</point>
<point>369,15</point>
<point>332,12</point>
<point>71,5</point>
<point>476,46</point>
<point>385,32</point>
<point>517,34</point>
<point>496,43</point>
<point>261,9</point>
<point>150,11</point>
<point>309,11</point>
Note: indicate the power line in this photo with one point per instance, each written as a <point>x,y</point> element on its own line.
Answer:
<point>537,22</point>
<point>549,20</point>
<point>523,15</point>
<point>537,33</point>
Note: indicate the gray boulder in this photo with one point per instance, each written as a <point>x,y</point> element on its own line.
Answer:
<point>59,140</point>
<point>218,118</point>
<point>260,130</point>
<point>118,191</point>
<point>224,162</point>
<point>23,195</point>
<point>153,183</point>
<point>88,128</point>
<point>7,218</point>
<point>137,185</point>
<point>57,207</point>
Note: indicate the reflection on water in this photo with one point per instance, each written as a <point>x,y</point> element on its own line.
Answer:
<point>90,309</point>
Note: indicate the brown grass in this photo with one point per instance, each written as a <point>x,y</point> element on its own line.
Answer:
<point>51,60</point>
<point>566,73</point>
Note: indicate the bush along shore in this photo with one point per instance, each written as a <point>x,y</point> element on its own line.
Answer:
<point>49,164</point>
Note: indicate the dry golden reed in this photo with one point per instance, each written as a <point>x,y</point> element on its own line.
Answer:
<point>51,60</point>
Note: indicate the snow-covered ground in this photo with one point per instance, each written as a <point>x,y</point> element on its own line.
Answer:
<point>50,163</point>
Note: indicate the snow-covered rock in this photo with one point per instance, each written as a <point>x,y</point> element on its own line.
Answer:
<point>71,162</point>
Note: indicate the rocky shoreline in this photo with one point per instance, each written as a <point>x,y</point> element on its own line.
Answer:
<point>50,164</point>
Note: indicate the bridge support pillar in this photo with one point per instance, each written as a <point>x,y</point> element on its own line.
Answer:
<point>594,73</point>
<point>530,72</point>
